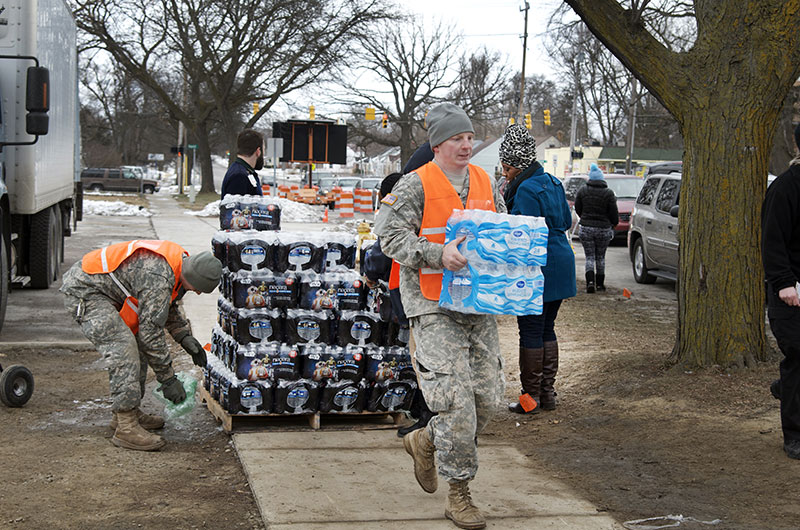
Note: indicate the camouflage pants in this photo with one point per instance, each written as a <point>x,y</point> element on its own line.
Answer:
<point>460,373</point>
<point>119,347</point>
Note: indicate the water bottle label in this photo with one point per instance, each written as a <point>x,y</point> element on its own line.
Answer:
<point>308,330</point>
<point>297,397</point>
<point>253,255</point>
<point>299,255</point>
<point>394,397</point>
<point>519,290</point>
<point>360,330</point>
<point>250,397</point>
<point>261,329</point>
<point>518,238</point>
<point>346,397</point>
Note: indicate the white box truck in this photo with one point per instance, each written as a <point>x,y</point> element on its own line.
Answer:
<point>38,97</point>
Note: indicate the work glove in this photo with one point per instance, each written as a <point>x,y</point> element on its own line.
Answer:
<point>195,349</point>
<point>173,390</point>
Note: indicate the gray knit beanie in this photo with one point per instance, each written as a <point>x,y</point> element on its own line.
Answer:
<point>202,271</point>
<point>447,120</point>
<point>518,148</point>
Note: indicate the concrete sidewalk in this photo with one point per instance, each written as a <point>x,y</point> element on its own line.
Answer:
<point>331,479</point>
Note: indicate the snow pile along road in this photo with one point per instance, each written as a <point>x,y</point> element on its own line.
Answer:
<point>114,208</point>
<point>291,212</point>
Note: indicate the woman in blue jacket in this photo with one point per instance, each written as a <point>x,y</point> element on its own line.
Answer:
<point>531,191</point>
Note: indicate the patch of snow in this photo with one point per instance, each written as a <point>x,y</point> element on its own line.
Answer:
<point>117,208</point>
<point>291,212</point>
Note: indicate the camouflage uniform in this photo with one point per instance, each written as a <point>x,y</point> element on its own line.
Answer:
<point>459,365</point>
<point>94,300</point>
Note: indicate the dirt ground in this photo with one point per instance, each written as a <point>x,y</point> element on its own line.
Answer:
<point>641,438</point>
<point>631,434</point>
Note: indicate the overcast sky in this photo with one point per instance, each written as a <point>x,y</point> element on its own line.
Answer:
<point>497,25</point>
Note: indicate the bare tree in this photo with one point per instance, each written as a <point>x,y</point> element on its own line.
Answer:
<point>725,91</point>
<point>411,70</point>
<point>121,120</point>
<point>479,88</point>
<point>209,60</point>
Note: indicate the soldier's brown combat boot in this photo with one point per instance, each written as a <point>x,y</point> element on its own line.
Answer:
<point>151,422</point>
<point>460,508</point>
<point>419,445</point>
<point>130,435</point>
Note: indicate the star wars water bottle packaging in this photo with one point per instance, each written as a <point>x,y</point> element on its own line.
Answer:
<point>504,255</point>
<point>249,212</point>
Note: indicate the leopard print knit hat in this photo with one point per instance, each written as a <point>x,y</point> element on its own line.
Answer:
<point>518,148</point>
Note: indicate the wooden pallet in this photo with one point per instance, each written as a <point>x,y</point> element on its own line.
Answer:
<point>345,421</point>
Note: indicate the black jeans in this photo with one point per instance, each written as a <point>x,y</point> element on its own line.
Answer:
<point>535,330</point>
<point>785,324</point>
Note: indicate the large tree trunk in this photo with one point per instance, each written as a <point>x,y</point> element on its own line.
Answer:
<point>720,288</point>
<point>204,153</point>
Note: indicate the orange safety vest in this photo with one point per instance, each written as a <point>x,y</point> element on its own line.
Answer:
<point>394,275</point>
<point>107,259</point>
<point>441,199</point>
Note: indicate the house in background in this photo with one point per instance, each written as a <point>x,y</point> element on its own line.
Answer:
<point>608,159</point>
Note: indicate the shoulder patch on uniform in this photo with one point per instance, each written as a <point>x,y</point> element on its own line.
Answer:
<point>390,199</point>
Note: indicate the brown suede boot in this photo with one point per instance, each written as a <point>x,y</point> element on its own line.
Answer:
<point>130,435</point>
<point>150,422</point>
<point>530,375</point>
<point>419,445</point>
<point>460,508</point>
<point>549,370</point>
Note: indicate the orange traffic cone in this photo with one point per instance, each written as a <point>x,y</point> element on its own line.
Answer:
<point>626,293</point>
<point>325,215</point>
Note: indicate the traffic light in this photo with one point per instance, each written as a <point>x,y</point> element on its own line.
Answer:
<point>311,113</point>
<point>528,123</point>
<point>255,107</point>
<point>511,121</point>
<point>547,116</point>
<point>370,114</point>
<point>385,121</point>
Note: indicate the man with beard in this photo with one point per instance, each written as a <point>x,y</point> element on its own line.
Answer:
<point>241,178</point>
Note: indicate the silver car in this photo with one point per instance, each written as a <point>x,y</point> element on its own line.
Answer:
<point>653,235</point>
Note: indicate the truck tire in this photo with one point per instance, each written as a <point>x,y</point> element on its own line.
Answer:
<point>95,187</point>
<point>640,272</point>
<point>3,280</point>
<point>45,242</point>
<point>149,189</point>
<point>16,386</point>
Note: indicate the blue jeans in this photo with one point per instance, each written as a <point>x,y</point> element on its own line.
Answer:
<point>535,330</point>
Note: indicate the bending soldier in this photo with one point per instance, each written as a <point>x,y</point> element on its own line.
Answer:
<point>124,296</point>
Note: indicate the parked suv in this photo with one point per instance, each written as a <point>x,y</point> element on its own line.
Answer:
<point>116,179</point>
<point>653,236</point>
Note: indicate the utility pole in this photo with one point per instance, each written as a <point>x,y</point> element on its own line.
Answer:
<point>631,126</point>
<point>574,127</point>
<point>524,51</point>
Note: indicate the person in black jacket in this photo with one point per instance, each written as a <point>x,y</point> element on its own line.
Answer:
<point>241,178</point>
<point>780,255</point>
<point>596,205</point>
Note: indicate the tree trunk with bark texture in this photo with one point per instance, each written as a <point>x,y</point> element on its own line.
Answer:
<point>726,93</point>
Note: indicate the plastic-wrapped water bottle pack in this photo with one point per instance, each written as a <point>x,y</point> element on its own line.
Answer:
<point>504,257</point>
<point>499,237</point>
<point>249,212</point>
